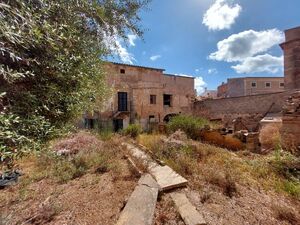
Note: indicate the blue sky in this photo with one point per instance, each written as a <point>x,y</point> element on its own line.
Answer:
<point>213,39</point>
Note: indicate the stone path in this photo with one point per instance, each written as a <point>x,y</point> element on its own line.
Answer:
<point>188,212</point>
<point>140,207</point>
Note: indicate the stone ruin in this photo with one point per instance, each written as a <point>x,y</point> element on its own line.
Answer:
<point>290,131</point>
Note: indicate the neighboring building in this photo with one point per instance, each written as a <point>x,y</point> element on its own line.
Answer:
<point>209,94</point>
<point>222,90</point>
<point>244,86</point>
<point>143,95</point>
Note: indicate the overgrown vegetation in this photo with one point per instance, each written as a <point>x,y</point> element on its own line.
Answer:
<point>204,163</point>
<point>215,138</point>
<point>100,157</point>
<point>269,136</point>
<point>50,70</point>
<point>133,130</point>
<point>189,124</point>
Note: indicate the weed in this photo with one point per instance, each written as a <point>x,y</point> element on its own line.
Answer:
<point>133,130</point>
<point>292,188</point>
<point>224,180</point>
<point>205,197</point>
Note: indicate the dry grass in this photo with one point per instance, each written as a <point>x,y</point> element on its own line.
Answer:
<point>215,138</point>
<point>285,213</point>
<point>206,163</point>
<point>85,188</point>
<point>269,136</point>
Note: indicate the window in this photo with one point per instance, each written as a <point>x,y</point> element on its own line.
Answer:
<point>153,99</point>
<point>122,101</point>
<point>268,84</point>
<point>281,84</point>
<point>167,100</point>
<point>253,84</point>
<point>122,71</point>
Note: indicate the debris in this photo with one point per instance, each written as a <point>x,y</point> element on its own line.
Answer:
<point>9,178</point>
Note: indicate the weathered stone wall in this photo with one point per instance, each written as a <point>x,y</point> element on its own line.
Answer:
<point>290,130</point>
<point>140,83</point>
<point>255,106</point>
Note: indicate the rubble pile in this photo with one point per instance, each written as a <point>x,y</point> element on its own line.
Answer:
<point>290,130</point>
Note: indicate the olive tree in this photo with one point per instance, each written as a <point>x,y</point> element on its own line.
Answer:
<point>50,63</point>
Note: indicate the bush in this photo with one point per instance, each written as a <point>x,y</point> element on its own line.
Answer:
<point>215,138</point>
<point>269,136</point>
<point>133,130</point>
<point>224,180</point>
<point>189,124</point>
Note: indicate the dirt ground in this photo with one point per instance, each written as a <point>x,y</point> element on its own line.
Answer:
<point>90,199</point>
<point>249,206</point>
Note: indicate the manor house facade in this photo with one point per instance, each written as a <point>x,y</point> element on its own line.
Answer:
<point>144,95</point>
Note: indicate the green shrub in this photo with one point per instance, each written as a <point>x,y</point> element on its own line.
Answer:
<point>189,124</point>
<point>133,130</point>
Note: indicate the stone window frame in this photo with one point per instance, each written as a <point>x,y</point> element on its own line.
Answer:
<point>253,82</point>
<point>281,86</point>
<point>122,71</point>
<point>268,82</point>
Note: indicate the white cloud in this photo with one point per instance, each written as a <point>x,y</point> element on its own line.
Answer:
<point>221,15</point>
<point>200,85</point>
<point>212,71</point>
<point>155,57</point>
<point>197,70</point>
<point>121,51</point>
<point>238,47</point>
<point>115,45</point>
<point>247,48</point>
<point>131,39</point>
<point>260,63</point>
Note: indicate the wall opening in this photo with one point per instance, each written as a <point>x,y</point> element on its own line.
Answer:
<point>167,100</point>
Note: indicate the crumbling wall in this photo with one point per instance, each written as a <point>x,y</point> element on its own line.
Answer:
<point>250,108</point>
<point>290,131</point>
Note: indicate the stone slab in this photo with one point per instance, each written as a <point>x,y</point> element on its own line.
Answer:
<point>166,178</point>
<point>140,207</point>
<point>187,211</point>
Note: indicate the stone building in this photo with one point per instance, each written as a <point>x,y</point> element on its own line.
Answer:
<point>291,49</point>
<point>143,95</point>
<point>244,86</point>
<point>291,111</point>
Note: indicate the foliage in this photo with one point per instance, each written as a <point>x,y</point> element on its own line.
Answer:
<point>269,136</point>
<point>189,124</point>
<point>203,163</point>
<point>215,138</point>
<point>50,70</point>
<point>133,130</point>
